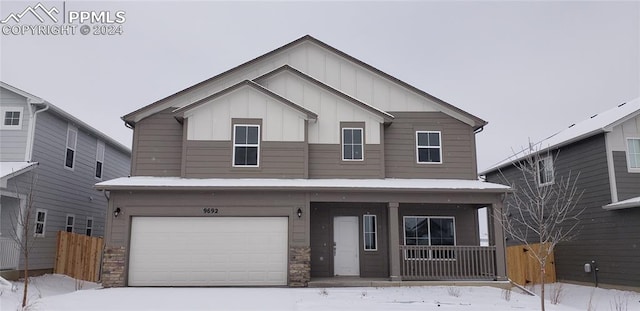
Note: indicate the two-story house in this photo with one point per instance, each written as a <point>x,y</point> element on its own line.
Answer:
<point>603,152</point>
<point>304,162</point>
<point>57,159</point>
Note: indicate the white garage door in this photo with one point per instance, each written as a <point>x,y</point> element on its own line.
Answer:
<point>205,251</point>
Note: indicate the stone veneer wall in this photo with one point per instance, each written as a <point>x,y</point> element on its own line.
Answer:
<point>299,266</point>
<point>113,267</point>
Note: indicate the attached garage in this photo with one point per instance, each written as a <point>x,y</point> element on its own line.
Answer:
<point>208,251</point>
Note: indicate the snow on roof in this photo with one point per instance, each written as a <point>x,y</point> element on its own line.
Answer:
<point>327,184</point>
<point>10,169</point>
<point>629,203</point>
<point>598,123</point>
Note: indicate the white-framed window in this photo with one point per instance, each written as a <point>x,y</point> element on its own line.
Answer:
<point>246,145</point>
<point>545,171</point>
<point>99,159</point>
<point>40,223</point>
<point>89,227</point>
<point>633,155</point>
<point>11,118</point>
<point>71,219</point>
<point>370,229</point>
<point>429,147</point>
<point>352,144</point>
<point>70,151</point>
<point>429,231</point>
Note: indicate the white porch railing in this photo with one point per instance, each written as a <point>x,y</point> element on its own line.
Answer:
<point>447,262</point>
<point>9,254</point>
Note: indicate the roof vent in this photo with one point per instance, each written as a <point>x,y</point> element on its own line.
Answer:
<point>593,116</point>
<point>621,105</point>
<point>572,125</point>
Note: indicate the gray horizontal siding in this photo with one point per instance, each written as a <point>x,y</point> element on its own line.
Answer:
<point>325,161</point>
<point>157,147</point>
<point>608,237</point>
<point>14,142</point>
<point>213,159</point>
<point>61,191</point>
<point>458,147</point>
<point>628,183</point>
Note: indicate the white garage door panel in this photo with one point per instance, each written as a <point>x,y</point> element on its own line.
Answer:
<point>205,251</point>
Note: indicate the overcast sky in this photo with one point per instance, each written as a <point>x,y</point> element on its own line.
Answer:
<point>529,68</point>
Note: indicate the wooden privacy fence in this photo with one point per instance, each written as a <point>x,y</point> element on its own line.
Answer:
<point>78,256</point>
<point>524,269</point>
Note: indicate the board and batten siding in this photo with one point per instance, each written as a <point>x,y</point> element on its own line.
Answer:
<point>61,191</point>
<point>157,146</point>
<point>213,120</point>
<point>331,108</point>
<point>14,141</point>
<point>214,159</point>
<point>329,68</point>
<point>608,237</point>
<point>457,141</point>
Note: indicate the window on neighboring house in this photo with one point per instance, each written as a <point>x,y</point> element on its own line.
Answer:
<point>633,154</point>
<point>429,231</point>
<point>246,145</point>
<point>428,147</point>
<point>99,159</point>
<point>41,221</point>
<point>12,118</point>
<point>89,228</point>
<point>370,233</point>
<point>352,144</point>
<point>545,171</point>
<point>70,220</point>
<point>72,140</point>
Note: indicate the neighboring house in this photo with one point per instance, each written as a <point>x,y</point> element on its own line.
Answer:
<point>304,162</point>
<point>63,158</point>
<point>605,151</point>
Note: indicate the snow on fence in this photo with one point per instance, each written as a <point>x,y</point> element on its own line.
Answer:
<point>9,253</point>
<point>78,256</point>
<point>447,262</point>
<point>524,269</point>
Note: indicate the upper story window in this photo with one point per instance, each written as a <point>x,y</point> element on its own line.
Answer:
<point>428,147</point>
<point>41,221</point>
<point>246,145</point>
<point>70,153</point>
<point>71,219</point>
<point>545,171</point>
<point>11,118</point>
<point>99,159</point>
<point>352,147</point>
<point>633,154</point>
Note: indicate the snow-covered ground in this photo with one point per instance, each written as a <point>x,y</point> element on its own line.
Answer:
<point>58,292</point>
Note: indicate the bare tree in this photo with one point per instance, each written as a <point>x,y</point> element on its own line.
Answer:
<point>22,226</point>
<point>543,209</point>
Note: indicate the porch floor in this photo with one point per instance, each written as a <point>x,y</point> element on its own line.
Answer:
<point>354,281</point>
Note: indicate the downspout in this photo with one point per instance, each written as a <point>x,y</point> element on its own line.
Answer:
<point>32,130</point>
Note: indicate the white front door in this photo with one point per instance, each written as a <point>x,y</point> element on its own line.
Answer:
<point>346,259</point>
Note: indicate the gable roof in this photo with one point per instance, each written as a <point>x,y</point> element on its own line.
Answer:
<point>182,110</point>
<point>596,124</point>
<point>65,115</point>
<point>286,68</point>
<point>131,117</point>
